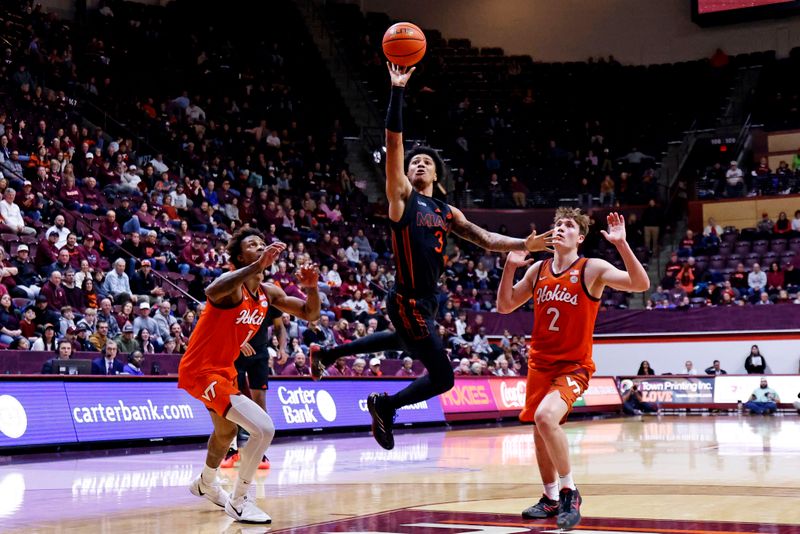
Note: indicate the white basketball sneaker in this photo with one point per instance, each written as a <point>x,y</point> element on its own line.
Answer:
<point>246,511</point>
<point>212,492</point>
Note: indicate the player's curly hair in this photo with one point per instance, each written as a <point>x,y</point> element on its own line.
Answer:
<point>581,219</point>
<point>234,247</point>
<point>438,162</point>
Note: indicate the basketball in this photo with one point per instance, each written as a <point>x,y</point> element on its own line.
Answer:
<point>404,44</point>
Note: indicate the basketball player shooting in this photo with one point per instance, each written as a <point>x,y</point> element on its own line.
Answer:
<point>238,302</point>
<point>420,225</point>
<point>566,291</point>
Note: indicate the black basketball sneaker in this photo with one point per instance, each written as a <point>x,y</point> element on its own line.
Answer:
<point>382,419</point>
<point>546,507</point>
<point>569,509</point>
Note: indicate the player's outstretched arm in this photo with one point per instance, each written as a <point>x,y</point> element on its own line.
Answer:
<point>498,242</point>
<point>227,288</point>
<point>511,296</point>
<point>634,277</point>
<point>398,188</point>
<point>307,310</point>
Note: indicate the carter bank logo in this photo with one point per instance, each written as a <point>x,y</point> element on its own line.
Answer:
<point>300,405</point>
<point>13,419</point>
<point>513,395</point>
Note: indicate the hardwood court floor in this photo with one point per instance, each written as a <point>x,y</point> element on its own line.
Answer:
<point>694,474</point>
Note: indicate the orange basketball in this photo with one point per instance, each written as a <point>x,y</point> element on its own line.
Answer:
<point>404,44</point>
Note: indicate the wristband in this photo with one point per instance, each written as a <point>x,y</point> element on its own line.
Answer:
<point>394,114</point>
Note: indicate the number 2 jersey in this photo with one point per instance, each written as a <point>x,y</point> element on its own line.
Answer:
<point>564,314</point>
<point>419,241</point>
<point>219,335</point>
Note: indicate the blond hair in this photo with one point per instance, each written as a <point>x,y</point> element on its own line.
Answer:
<point>581,219</point>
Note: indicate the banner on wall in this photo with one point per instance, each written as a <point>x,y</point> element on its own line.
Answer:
<point>49,413</point>
<point>508,395</point>
<point>469,395</point>
<point>732,389</point>
<point>602,391</point>
<point>671,389</point>
<point>335,403</point>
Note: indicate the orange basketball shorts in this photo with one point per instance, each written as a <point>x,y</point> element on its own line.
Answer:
<point>214,390</point>
<point>569,379</point>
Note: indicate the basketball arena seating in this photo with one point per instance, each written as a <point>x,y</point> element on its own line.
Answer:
<point>508,109</point>
<point>747,246</point>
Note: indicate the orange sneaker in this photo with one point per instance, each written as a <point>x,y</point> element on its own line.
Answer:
<point>264,464</point>
<point>230,459</point>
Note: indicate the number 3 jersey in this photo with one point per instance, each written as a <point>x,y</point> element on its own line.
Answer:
<point>419,241</point>
<point>220,332</point>
<point>564,314</point>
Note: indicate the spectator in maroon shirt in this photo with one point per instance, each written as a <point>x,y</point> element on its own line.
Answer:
<point>74,251</point>
<point>89,253</point>
<point>52,290</point>
<point>298,367</point>
<point>74,294</point>
<point>109,228</point>
<point>70,195</point>
<point>340,368</point>
<point>46,252</point>
<point>193,258</point>
<point>226,194</point>
<point>92,197</point>
<point>406,370</point>
<point>775,279</point>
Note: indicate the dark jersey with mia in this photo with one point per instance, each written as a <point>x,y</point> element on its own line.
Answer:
<point>419,242</point>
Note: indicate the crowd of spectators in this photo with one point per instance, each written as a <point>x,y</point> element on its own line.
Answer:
<point>726,267</point>
<point>107,246</point>
<point>732,181</point>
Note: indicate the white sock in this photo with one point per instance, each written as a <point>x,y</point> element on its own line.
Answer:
<point>551,490</point>
<point>240,489</point>
<point>209,475</point>
<point>566,481</point>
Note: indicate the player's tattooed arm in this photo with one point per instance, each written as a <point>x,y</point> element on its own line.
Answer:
<point>499,242</point>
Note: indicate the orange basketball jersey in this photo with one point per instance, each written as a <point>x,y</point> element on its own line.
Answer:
<point>563,316</point>
<point>219,335</point>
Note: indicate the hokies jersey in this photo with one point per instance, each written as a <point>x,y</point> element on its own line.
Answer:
<point>219,335</point>
<point>564,314</point>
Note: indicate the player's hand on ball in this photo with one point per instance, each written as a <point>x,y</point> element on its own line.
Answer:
<point>540,242</point>
<point>616,229</point>
<point>248,350</point>
<point>308,275</point>
<point>270,254</point>
<point>517,259</point>
<point>399,75</point>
